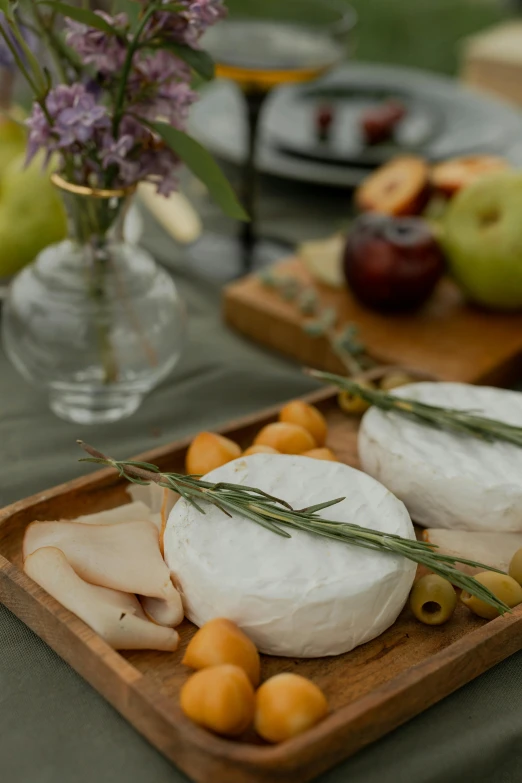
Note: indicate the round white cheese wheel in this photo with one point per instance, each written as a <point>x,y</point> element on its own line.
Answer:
<point>445,479</point>
<point>302,596</point>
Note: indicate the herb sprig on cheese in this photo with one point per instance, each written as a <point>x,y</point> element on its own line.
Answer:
<point>450,419</point>
<point>277,515</point>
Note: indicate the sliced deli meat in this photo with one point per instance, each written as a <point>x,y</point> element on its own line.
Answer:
<point>448,480</point>
<point>302,596</point>
<point>130,512</point>
<point>123,557</point>
<point>164,611</point>
<point>116,616</point>
<point>491,549</point>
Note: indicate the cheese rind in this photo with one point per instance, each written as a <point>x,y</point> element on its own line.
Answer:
<point>305,596</point>
<point>448,480</point>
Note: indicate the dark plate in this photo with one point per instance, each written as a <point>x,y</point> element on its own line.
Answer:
<point>295,133</point>
<point>447,120</point>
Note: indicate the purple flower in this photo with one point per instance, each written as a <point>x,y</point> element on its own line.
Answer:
<point>139,155</point>
<point>160,67</point>
<point>73,119</point>
<point>204,13</point>
<point>160,167</point>
<point>187,26</point>
<point>79,128</point>
<point>94,47</point>
<point>159,89</point>
<point>101,150</point>
<point>172,104</point>
<point>117,153</point>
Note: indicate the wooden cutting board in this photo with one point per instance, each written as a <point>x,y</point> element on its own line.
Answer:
<point>447,338</point>
<point>370,690</point>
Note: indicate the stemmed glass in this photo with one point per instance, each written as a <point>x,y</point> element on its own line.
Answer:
<point>261,45</point>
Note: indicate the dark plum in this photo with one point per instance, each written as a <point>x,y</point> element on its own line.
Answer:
<point>392,264</point>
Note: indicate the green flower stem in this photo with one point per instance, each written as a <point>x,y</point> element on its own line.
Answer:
<point>100,261</point>
<point>40,99</point>
<point>21,66</point>
<point>131,51</point>
<point>60,54</point>
<point>92,218</point>
<point>39,75</point>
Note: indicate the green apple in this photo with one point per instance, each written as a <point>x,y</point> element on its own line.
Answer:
<point>483,240</point>
<point>32,215</point>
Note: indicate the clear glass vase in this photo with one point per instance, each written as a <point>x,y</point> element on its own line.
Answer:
<point>94,321</point>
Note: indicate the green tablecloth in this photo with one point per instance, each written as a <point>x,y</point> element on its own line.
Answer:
<point>53,727</point>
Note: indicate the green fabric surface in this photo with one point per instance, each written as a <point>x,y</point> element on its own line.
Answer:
<point>54,728</point>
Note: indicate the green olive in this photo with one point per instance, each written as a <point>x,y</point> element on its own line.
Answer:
<point>433,600</point>
<point>393,380</point>
<point>351,403</point>
<point>504,587</point>
<point>515,567</point>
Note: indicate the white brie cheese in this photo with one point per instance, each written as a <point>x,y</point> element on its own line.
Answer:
<point>304,596</point>
<point>448,480</point>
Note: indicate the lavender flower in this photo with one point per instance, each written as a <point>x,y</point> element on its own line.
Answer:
<point>171,104</point>
<point>94,47</point>
<point>159,88</point>
<point>99,130</point>
<point>202,14</point>
<point>122,153</point>
<point>73,119</point>
<point>161,67</point>
<point>139,155</point>
<point>188,25</point>
<point>160,167</point>
<point>75,122</point>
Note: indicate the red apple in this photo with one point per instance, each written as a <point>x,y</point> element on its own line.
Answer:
<point>392,264</point>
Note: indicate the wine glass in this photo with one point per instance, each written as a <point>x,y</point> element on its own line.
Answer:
<point>261,45</point>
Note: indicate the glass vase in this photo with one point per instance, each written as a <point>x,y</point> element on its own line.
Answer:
<point>94,320</point>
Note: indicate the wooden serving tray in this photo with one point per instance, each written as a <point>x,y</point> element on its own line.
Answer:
<point>371,690</point>
<point>447,338</point>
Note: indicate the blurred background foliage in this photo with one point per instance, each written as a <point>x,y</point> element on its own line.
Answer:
<point>421,33</point>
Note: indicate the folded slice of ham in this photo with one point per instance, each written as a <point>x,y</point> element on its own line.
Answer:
<point>116,616</point>
<point>123,557</point>
<point>167,611</point>
<point>130,512</point>
<point>492,549</point>
<point>160,502</point>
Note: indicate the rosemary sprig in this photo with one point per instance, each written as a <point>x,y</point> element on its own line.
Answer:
<point>459,421</point>
<point>272,513</point>
<point>322,321</point>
